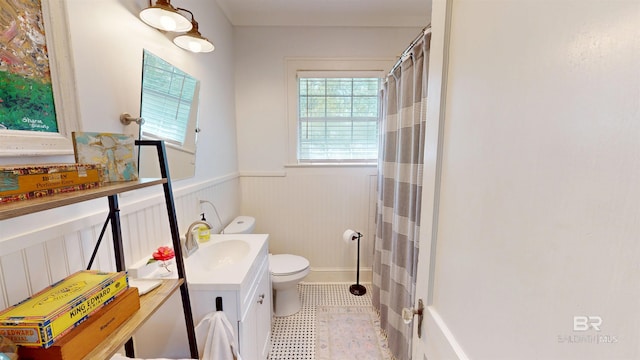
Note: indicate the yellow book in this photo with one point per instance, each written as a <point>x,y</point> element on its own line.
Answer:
<point>46,316</point>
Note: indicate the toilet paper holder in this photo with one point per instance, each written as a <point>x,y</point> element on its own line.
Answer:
<point>355,289</point>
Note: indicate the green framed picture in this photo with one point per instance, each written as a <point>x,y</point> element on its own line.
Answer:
<point>38,102</point>
<point>26,91</point>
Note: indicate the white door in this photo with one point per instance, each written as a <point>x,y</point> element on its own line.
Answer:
<point>436,342</point>
<point>530,208</point>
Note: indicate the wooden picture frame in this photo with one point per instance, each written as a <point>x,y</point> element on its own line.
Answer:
<point>15,143</point>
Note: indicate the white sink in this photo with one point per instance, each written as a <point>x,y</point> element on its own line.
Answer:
<point>221,263</point>
<point>219,254</point>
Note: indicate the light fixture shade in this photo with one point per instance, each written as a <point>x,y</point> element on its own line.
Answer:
<point>165,17</point>
<point>194,42</point>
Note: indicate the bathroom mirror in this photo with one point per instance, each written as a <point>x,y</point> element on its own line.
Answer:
<point>169,106</point>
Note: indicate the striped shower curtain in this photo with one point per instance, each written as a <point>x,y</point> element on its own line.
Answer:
<point>399,192</point>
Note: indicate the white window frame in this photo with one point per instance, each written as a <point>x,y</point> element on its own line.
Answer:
<point>349,67</point>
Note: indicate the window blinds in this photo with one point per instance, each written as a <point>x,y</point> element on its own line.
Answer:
<point>167,94</point>
<point>338,117</point>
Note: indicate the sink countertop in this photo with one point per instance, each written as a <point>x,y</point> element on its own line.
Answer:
<point>225,277</point>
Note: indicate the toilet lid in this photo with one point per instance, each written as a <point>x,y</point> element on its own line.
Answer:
<point>287,264</point>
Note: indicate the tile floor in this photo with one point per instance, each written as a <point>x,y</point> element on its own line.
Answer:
<point>294,337</point>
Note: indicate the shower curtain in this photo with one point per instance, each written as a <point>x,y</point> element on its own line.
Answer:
<point>399,193</point>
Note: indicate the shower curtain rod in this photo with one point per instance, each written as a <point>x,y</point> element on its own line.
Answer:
<point>406,51</point>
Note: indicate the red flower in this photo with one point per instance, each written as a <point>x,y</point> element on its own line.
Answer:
<point>164,253</point>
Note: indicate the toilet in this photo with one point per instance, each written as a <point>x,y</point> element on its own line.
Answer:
<point>286,270</point>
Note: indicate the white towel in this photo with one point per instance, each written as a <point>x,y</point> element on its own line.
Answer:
<point>216,334</point>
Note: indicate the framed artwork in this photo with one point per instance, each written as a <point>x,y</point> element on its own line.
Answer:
<point>38,110</point>
<point>114,151</point>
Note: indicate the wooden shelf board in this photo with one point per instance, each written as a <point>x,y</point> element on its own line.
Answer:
<point>149,303</point>
<point>24,207</point>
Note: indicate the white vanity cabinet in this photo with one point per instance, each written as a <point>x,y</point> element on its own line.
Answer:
<point>247,306</point>
<point>255,327</point>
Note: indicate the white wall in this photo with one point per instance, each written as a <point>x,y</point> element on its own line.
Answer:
<point>539,214</point>
<point>260,54</point>
<point>108,60</point>
<point>107,40</point>
<point>304,210</point>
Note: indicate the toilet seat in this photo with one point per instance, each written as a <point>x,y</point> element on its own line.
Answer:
<point>287,264</point>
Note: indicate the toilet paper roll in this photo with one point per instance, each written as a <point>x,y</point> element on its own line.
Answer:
<point>349,235</point>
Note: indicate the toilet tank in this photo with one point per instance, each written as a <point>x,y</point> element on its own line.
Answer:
<point>241,225</point>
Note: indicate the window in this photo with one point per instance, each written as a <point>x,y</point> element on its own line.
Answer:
<point>337,127</point>
<point>333,110</point>
<point>338,118</point>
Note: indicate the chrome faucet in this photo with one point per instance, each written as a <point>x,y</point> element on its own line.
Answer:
<point>190,243</point>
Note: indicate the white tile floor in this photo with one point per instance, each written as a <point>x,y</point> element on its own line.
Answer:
<point>294,337</point>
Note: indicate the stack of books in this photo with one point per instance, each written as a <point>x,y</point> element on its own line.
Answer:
<point>49,314</point>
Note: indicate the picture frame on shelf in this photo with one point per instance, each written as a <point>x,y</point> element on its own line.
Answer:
<point>115,152</point>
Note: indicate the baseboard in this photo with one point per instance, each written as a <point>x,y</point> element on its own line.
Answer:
<point>320,275</point>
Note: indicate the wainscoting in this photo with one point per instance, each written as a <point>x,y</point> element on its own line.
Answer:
<point>39,249</point>
<point>306,210</point>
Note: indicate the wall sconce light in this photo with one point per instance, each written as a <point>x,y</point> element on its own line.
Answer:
<point>192,40</point>
<point>165,17</point>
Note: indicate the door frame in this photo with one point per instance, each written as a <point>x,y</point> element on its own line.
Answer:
<point>437,340</point>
